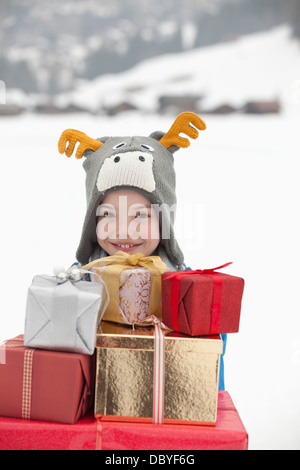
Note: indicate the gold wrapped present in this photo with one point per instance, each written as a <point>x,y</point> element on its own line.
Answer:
<point>125,375</point>
<point>134,286</point>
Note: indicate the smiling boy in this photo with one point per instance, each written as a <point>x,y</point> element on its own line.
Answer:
<point>130,190</point>
<point>142,165</point>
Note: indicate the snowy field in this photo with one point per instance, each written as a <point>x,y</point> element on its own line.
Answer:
<point>238,193</point>
<point>242,174</point>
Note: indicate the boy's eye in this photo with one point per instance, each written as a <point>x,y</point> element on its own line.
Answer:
<point>142,215</point>
<point>107,214</point>
<point>106,210</point>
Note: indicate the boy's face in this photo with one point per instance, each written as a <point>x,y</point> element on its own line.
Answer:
<point>127,222</point>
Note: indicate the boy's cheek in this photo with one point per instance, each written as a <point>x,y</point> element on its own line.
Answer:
<point>106,229</point>
<point>136,229</point>
<point>106,246</point>
<point>154,232</point>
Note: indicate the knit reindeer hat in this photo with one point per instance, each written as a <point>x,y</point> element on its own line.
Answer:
<point>143,164</point>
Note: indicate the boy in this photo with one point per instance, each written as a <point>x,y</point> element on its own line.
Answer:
<point>141,164</point>
<point>141,171</point>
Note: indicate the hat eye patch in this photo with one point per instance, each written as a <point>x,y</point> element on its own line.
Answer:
<point>119,146</point>
<point>147,147</point>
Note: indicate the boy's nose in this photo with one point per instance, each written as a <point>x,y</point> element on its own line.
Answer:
<point>122,230</point>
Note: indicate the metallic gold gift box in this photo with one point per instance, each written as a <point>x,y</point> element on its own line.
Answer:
<point>124,375</point>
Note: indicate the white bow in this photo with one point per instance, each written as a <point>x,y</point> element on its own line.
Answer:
<point>73,274</point>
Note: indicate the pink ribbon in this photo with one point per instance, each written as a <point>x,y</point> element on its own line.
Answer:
<point>18,342</point>
<point>159,368</point>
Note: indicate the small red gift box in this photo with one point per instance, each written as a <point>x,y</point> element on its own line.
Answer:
<point>202,302</point>
<point>45,385</point>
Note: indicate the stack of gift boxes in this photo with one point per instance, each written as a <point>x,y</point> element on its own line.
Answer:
<point>129,340</point>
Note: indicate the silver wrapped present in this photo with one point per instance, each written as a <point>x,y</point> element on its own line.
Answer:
<point>63,312</point>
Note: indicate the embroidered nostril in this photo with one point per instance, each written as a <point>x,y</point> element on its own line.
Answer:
<point>141,158</point>
<point>117,159</point>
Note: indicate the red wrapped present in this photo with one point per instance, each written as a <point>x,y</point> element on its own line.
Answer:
<point>45,385</point>
<point>202,302</point>
<point>228,434</point>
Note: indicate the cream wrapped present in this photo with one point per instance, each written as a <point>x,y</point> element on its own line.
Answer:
<point>133,283</point>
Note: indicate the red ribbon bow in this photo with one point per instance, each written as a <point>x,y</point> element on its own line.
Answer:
<point>216,301</point>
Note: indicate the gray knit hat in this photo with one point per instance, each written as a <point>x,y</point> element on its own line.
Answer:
<point>144,164</point>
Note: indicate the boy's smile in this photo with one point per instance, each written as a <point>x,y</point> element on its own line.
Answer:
<point>126,247</point>
<point>126,221</point>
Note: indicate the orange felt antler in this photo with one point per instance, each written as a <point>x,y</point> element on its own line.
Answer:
<point>72,136</point>
<point>182,124</point>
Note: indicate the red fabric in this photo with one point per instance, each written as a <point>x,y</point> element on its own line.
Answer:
<point>228,434</point>
<point>200,302</point>
<point>61,384</point>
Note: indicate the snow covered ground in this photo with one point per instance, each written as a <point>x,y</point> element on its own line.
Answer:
<point>243,172</point>
<point>239,184</point>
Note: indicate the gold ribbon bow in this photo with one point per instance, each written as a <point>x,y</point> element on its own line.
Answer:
<point>121,261</point>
